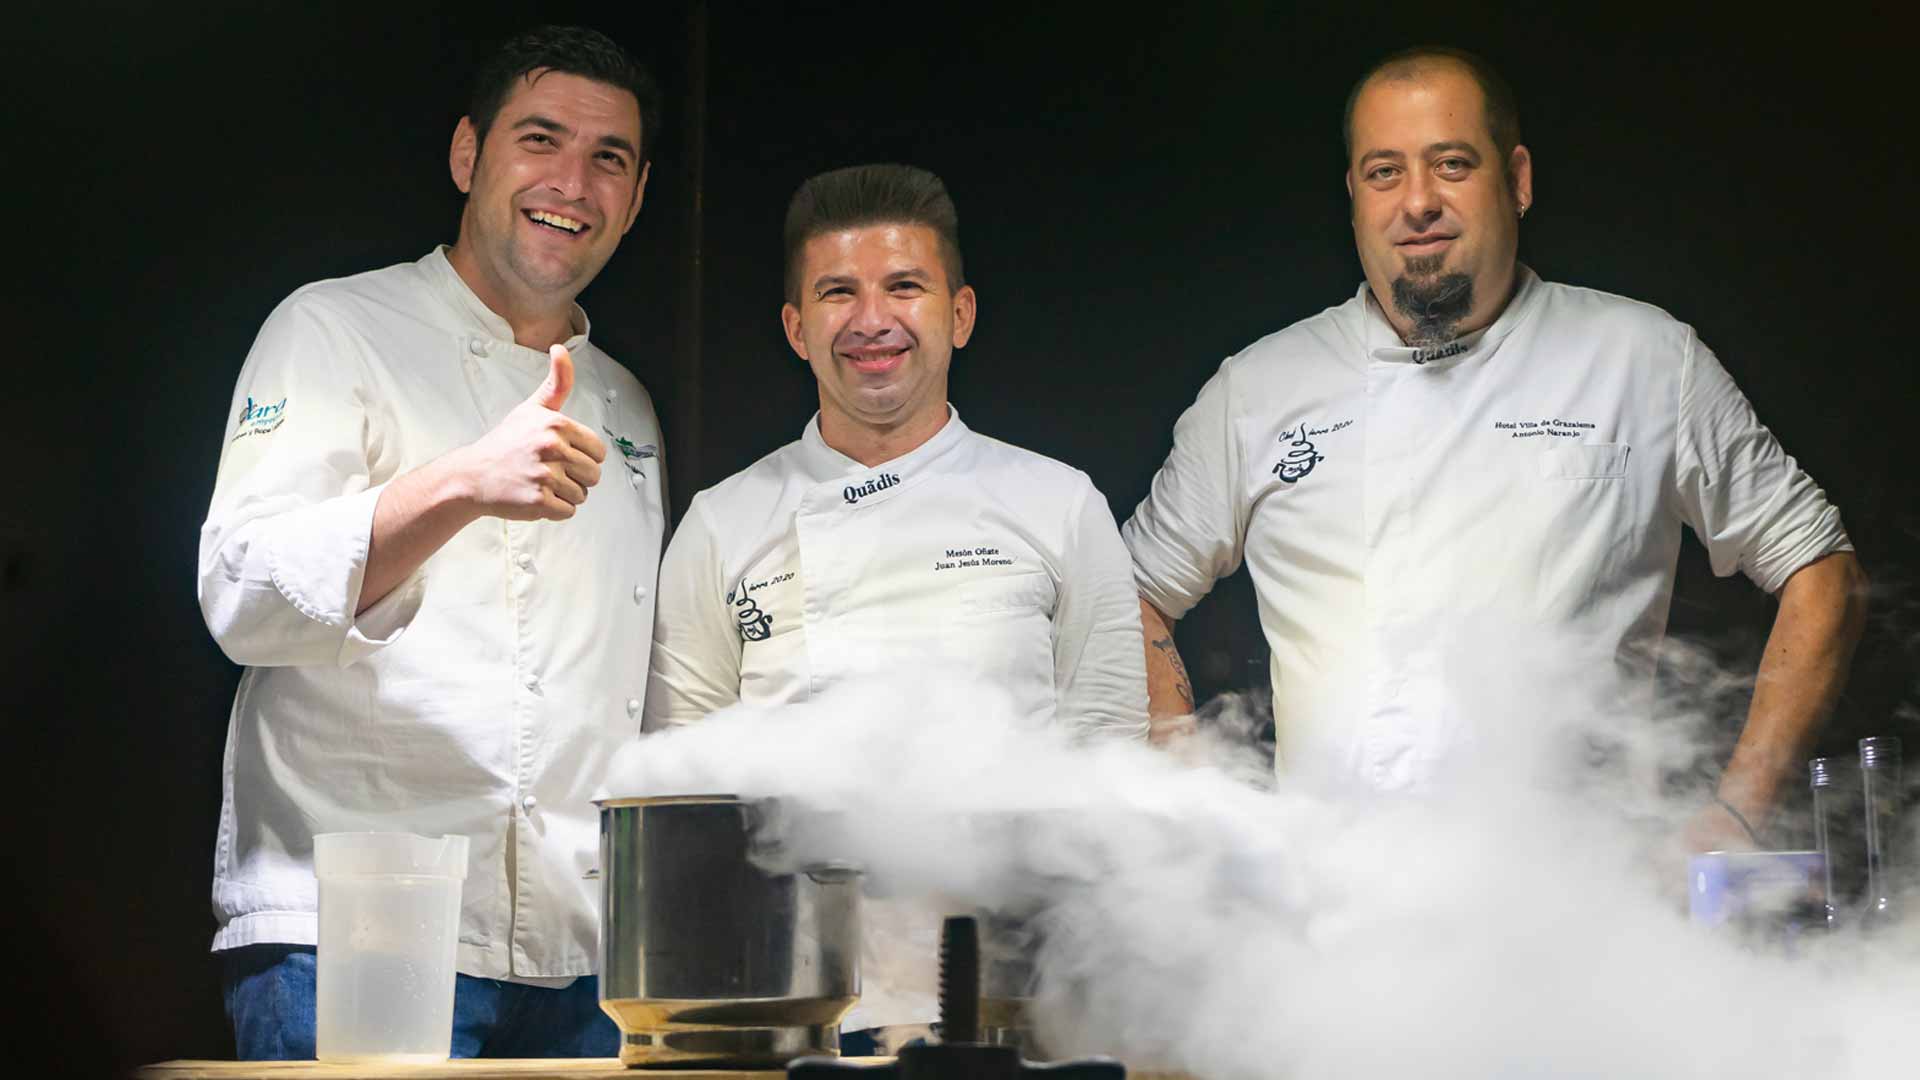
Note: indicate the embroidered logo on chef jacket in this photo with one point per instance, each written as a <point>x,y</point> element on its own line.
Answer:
<point>629,453</point>
<point>853,493</point>
<point>1301,455</point>
<point>964,558</point>
<point>1439,352</point>
<point>1551,426</point>
<point>755,624</point>
<point>259,419</point>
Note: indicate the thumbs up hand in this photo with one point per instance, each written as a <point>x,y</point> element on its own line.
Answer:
<point>537,464</point>
<point>553,393</point>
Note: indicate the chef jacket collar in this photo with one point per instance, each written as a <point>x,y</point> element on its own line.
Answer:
<point>826,463</point>
<point>1384,345</point>
<point>478,316</point>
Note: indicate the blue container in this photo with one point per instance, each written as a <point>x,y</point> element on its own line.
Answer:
<point>1784,890</point>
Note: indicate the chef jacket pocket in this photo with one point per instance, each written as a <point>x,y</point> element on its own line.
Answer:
<point>1013,592</point>
<point>1568,540</point>
<point>1585,461</point>
<point>1004,634</point>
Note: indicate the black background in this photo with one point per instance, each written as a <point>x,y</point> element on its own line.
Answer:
<point>1141,194</point>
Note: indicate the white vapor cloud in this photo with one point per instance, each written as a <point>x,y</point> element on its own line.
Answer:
<point>1518,917</point>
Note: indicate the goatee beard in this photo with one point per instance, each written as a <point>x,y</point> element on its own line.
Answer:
<point>1436,302</point>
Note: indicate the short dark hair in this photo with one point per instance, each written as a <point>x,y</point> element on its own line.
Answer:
<point>569,50</point>
<point>872,195</point>
<point>1502,111</point>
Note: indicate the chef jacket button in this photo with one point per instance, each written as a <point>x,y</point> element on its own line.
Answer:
<point>532,682</point>
<point>639,593</point>
<point>633,706</point>
<point>524,560</point>
<point>529,803</point>
<point>612,393</point>
<point>477,346</point>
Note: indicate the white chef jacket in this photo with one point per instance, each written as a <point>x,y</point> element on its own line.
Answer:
<point>965,556</point>
<point>481,697</point>
<point>1525,484</point>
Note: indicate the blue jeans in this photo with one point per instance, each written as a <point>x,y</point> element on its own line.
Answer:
<point>270,999</point>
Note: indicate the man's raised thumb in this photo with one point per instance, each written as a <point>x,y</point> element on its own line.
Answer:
<point>553,393</point>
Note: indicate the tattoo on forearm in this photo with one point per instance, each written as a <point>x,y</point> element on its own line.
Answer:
<point>1181,682</point>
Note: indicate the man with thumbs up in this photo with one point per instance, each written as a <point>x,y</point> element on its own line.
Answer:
<point>433,543</point>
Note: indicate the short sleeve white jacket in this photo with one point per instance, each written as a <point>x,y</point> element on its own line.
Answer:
<point>481,697</point>
<point>965,555</point>
<point>1402,511</point>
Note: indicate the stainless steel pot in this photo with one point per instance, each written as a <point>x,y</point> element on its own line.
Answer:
<point>705,959</point>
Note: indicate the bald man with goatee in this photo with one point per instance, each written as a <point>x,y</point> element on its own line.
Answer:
<point>1461,493</point>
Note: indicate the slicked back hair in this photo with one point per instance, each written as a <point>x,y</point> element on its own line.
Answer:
<point>863,195</point>
<point>569,50</point>
<point>1502,111</point>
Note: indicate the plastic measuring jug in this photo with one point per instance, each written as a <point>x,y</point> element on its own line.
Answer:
<point>389,928</point>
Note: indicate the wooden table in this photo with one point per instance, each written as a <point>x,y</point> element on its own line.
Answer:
<point>462,1069</point>
<point>471,1069</point>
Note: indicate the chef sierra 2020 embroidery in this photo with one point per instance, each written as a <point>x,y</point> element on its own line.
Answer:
<point>1301,455</point>
<point>853,493</point>
<point>755,625</point>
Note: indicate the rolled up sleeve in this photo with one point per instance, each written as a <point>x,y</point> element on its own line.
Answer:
<point>283,550</point>
<point>1099,661</point>
<point>1189,531</point>
<point>1750,503</point>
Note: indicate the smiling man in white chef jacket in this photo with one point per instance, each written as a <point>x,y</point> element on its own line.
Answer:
<point>890,538</point>
<point>1465,460</point>
<point>442,633</point>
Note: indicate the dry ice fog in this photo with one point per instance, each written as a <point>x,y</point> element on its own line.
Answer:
<point>1518,914</point>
